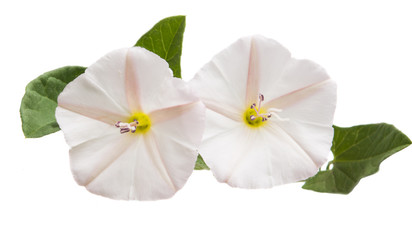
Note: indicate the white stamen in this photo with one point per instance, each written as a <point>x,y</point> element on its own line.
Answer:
<point>261,99</point>
<point>281,119</point>
<point>274,110</point>
<point>127,127</point>
<point>271,111</point>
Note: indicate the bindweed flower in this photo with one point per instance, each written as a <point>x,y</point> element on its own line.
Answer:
<point>269,116</point>
<point>133,129</point>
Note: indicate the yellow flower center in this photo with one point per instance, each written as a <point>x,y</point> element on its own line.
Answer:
<point>144,122</point>
<point>257,116</point>
<point>137,123</point>
<point>252,120</point>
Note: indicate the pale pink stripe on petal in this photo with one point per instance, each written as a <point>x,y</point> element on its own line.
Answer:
<point>132,83</point>
<point>252,86</point>
<point>158,160</point>
<point>91,158</point>
<point>296,96</point>
<point>95,113</point>
<point>169,113</point>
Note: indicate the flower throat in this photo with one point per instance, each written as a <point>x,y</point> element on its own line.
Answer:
<point>137,123</point>
<point>256,117</point>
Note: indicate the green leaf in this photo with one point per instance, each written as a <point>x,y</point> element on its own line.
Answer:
<point>200,164</point>
<point>39,103</point>
<point>358,151</point>
<point>165,39</point>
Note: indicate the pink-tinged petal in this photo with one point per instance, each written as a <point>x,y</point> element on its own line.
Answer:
<point>131,83</point>
<point>266,63</point>
<point>315,140</point>
<point>180,133</point>
<point>185,129</point>
<point>274,159</point>
<point>146,167</point>
<point>217,123</point>
<point>253,76</point>
<point>223,150</point>
<point>123,167</point>
<point>134,175</point>
<point>297,75</point>
<point>221,83</point>
<point>145,73</point>
<point>166,114</point>
<point>78,128</point>
<point>148,78</point>
<point>175,142</point>
<point>85,97</point>
<point>251,158</point>
<point>89,159</point>
<point>310,117</point>
<point>171,93</point>
<point>314,104</point>
<point>109,74</point>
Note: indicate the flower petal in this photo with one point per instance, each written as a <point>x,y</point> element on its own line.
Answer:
<point>175,142</point>
<point>315,140</point>
<point>86,111</point>
<point>146,167</point>
<point>185,129</point>
<point>251,158</point>
<point>217,123</point>
<point>109,74</point>
<point>171,93</point>
<point>253,75</point>
<point>313,104</point>
<point>266,63</point>
<point>78,128</point>
<point>149,81</point>
<point>145,73</point>
<point>84,96</point>
<point>222,151</point>
<point>89,159</point>
<point>221,83</point>
<point>297,75</point>
<point>310,117</point>
<point>122,167</point>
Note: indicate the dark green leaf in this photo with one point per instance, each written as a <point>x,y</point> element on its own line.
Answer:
<point>39,103</point>
<point>200,164</point>
<point>358,151</point>
<point>165,39</point>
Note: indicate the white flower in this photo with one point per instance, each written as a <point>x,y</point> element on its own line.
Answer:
<point>133,129</point>
<point>269,116</point>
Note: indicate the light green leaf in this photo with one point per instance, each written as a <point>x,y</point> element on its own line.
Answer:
<point>200,164</point>
<point>39,103</point>
<point>358,151</point>
<point>165,39</point>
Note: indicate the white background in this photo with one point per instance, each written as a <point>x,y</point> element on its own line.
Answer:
<point>366,46</point>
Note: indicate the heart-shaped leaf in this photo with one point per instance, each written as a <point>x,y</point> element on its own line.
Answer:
<point>39,103</point>
<point>358,151</point>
